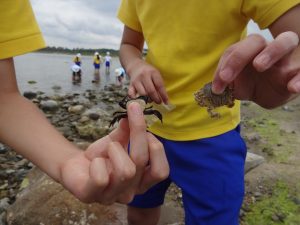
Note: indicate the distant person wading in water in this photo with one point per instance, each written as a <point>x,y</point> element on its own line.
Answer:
<point>107,63</point>
<point>97,62</point>
<point>76,73</point>
<point>77,59</point>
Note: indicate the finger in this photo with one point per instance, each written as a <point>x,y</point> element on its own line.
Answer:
<point>90,180</point>
<point>99,177</point>
<point>283,44</point>
<point>126,197</point>
<point>240,56</point>
<point>99,147</point>
<point>140,89</point>
<point>123,172</point>
<point>121,133</point>
<point>159,167</point>
<point>151,90</point>
<point>294,84</point>
<point>132,92</point>
<point>159,86</point>
<point>138,139</point>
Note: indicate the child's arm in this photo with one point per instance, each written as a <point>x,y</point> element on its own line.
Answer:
<point>266,73</point>
<point>104,173</point>
<point>144,78</point>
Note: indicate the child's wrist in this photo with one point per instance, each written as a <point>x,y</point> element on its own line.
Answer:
<point>133,65</point>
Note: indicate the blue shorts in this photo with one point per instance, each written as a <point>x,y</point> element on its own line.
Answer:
<point>210,173</point>
<point>107,64</point>
<point>97,66</point>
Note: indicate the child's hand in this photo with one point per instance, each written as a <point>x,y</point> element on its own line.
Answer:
<point>106,173</point>
<point>147,80</point>
<point>266,73</point>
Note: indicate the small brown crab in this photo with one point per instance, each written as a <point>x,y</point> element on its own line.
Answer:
<point>206,98</point>
<point>143,100</point>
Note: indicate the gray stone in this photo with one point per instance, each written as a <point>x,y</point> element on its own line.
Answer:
<point>30,94</point>
<point>49,105</point>
<point>252,161</point>
<point>47,202</point>
<point>77,109</point>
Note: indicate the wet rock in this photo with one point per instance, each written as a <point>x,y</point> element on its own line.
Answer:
<point>77,109</point>
<point>94,116</point>
<point>2,149</point>
<point>56,87</point>
<point>49,105</point>
<point>30,94</point>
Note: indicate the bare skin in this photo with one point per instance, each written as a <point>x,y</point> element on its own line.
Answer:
<point>265,73</point>
<point>104,173</point>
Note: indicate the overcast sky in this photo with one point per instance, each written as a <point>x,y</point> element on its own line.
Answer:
<point>79,23</point>
<point>85,23</point>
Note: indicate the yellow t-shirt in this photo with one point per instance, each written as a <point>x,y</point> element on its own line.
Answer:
<point>19,32</point>
<point>96,60</point>
<point>185,40</point>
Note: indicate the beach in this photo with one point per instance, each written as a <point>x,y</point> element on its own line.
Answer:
<point>82,113</point>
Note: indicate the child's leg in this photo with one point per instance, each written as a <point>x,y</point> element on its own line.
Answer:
<point>138,216</point>
<point>145,208</point>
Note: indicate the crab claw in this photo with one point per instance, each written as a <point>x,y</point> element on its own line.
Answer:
<point>117,119</point>
<point>154,112</point>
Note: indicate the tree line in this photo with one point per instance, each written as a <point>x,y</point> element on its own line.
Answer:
<point>82,51</point>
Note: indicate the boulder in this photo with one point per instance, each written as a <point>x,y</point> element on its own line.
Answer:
<point>45,202</point>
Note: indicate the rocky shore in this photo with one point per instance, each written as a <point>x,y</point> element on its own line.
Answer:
<point>29,197</point>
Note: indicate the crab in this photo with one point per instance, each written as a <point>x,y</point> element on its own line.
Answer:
<point>206,98</point>
<point>142,100</point>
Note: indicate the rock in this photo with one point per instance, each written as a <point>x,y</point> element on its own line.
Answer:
<point>47,202</point>
<point>30,94</point>
<point>49,105</point>
<point>252,161</point>
<point>94,116</point>
<point>253,137</point>
<point>3,149</point>
<point>77,109</point>
<point>92,130</point>
<point>31,82</point>
<point>4,203</point>
<point>56,87</point>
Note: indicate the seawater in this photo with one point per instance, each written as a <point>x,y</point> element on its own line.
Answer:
<point>50,70</point>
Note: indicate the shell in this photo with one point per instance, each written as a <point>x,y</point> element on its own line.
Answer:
<point>206,98</point>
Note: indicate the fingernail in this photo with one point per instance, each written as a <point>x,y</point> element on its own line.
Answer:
<point>263,60</point>
<point>216,89</point>
<point>296,86</point>
<point>226,74</point>
<point>135,108</point>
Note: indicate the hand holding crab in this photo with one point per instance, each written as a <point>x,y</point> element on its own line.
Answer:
<point>142,100</point>
<point>106,173</point>
<point>206,98</point>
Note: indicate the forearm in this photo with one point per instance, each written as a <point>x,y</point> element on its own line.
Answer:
<point>28,132</point>
<point>24,127</point>
<point>131,49</point>
<point>129,57</point>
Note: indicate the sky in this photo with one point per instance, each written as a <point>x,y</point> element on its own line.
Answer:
<point>86,23</point>
<point>79,23</point>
